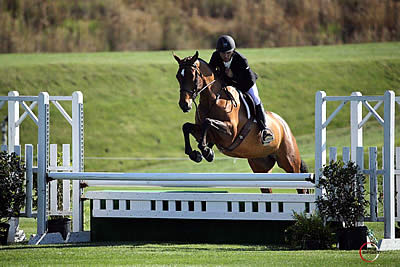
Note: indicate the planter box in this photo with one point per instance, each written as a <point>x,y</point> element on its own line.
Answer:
<point>62,226</point>
<point>4,228</point>
<point>352,238</point>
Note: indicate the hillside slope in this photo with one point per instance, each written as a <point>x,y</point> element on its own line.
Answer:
<point>131,99</point>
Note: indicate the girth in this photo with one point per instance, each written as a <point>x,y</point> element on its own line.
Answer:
<point>246,128</point>
<point>239,138</point>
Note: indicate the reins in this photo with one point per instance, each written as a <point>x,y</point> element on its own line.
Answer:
<point>202,89</point>
<point>198,91</point>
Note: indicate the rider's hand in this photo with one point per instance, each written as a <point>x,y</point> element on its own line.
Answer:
<point>229,73</point>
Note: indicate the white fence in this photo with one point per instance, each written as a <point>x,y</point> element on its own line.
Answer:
<point>321,123</point>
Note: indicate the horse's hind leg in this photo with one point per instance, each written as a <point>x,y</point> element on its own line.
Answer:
<point>289,164</point>
<point>290,161</point>
<point>262,165</point>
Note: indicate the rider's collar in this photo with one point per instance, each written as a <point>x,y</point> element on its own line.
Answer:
<point>228,64</point>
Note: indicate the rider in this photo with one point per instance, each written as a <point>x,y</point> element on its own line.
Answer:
<point>233,69</point>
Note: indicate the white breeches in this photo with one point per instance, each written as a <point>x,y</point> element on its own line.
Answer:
<point>253,91</point>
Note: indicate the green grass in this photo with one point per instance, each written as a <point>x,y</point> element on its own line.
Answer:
<point>131,111</point>
<point>149,253</point>
<point>131,98</point>
<point>115,254</point>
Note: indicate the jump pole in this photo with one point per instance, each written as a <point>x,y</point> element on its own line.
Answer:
<point>194,179</point>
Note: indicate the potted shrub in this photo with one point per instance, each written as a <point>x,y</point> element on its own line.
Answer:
<point>343,201</point>
<point>12,194</point>
<point>59,223</point>
<point>309,232</point>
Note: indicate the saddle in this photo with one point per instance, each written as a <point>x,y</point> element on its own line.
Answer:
<point>250,107</point>
<point>247,101</point>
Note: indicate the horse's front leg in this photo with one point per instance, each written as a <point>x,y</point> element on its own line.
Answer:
<point>195,130</point>
<point>204,146</point>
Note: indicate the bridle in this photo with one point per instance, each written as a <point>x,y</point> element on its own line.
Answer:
<point>198,87</point>
<point>198,77</point>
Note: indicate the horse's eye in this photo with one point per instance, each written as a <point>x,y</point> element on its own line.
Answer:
<point>183,72</point>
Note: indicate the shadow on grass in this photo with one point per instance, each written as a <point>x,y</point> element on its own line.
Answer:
<point>156,246</point>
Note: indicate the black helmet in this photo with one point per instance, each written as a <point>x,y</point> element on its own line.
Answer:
<point>225,43</point>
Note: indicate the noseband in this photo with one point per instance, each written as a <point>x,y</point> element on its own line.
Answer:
<point>198,77</point>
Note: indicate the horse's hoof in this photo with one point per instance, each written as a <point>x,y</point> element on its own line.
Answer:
<point>266,190</point>
<point>208,154</point>
<point>195,156</point>
<point>302,191</point>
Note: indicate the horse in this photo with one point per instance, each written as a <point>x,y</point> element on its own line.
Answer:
<point>221,119</point>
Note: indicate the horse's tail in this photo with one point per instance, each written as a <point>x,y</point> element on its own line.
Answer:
<point>303,167</point>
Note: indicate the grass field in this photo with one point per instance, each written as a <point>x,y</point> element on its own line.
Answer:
<point>131,112</point>
<point>131,98</point>
<point>179,254</point>
<point>140,254</point>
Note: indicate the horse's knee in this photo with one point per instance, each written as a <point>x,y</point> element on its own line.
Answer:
<point>187,127</point>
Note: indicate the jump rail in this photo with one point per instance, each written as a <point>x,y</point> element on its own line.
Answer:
<point>182,176</point>
<point>276,180</point>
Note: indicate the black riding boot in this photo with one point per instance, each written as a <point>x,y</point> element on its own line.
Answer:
<point>266,134</point>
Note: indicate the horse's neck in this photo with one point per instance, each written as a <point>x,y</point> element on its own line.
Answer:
<point>209,78</point>
<point>205,69</point>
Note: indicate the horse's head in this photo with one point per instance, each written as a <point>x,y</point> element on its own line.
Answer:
<point>189,78</point>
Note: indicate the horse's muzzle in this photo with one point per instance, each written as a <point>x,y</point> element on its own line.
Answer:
<point>186,107</point>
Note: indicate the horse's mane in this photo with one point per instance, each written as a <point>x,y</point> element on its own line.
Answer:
<point>187,59</point>
<point>206,64</point>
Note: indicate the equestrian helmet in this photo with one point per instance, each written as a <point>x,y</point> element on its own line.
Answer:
<point>225,43</point>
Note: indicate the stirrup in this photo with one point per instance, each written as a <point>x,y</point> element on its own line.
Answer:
<point>266,137</point>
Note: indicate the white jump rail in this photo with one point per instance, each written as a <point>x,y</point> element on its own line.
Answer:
<point>182,176</point>
<point>277,180</point>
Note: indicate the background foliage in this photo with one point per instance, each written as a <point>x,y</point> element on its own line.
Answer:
<point>121,25</point>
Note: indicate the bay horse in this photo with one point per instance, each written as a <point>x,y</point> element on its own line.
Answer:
<point>221,119</point>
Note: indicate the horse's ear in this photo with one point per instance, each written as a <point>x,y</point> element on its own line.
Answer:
<point>196,56</point>
<point>176,58</point>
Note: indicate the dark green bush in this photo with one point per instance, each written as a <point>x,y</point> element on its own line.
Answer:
<point>12,190</point>
<point>309,227</point>
<point>344,199</point>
